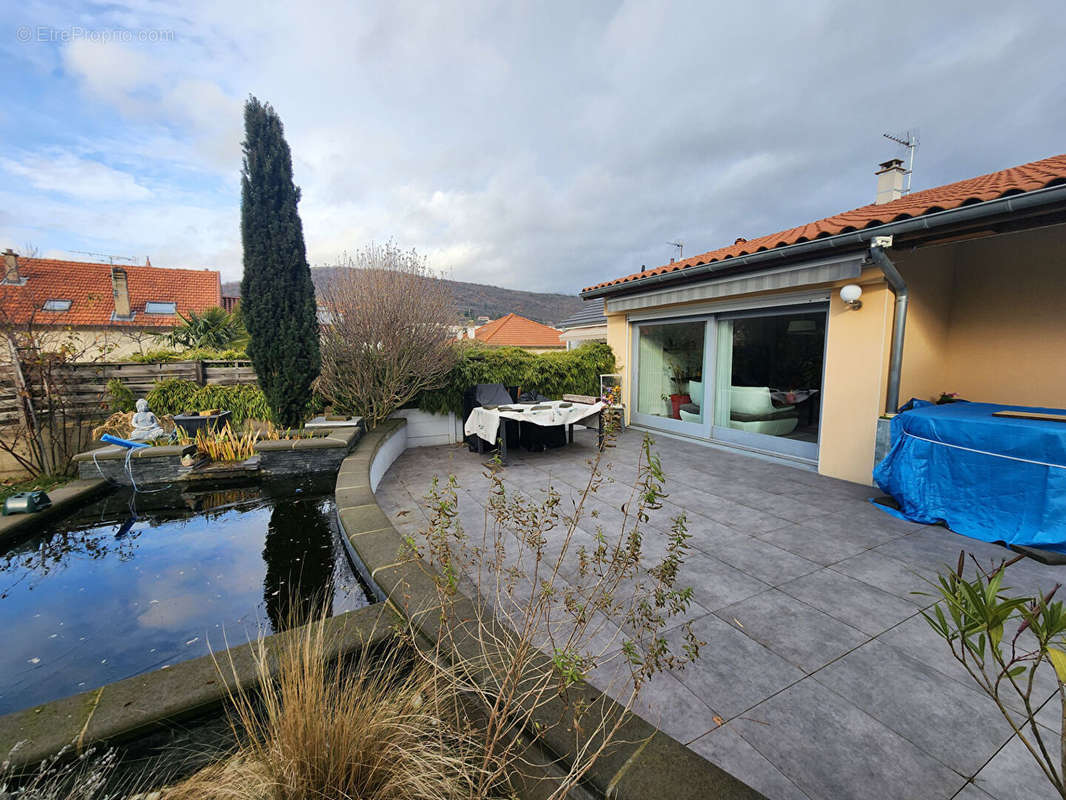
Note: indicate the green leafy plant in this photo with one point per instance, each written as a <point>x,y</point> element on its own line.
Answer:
<point>119,396</point>
<point>214,328</point>
<point>176,396</point>
<point>167,355</point>
<point>552,374</point>
<point>1002,641</point>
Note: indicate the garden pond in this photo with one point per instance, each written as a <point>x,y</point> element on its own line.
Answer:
<point>137,582</point>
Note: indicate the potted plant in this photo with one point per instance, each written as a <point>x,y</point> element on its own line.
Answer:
<point>679,376</point>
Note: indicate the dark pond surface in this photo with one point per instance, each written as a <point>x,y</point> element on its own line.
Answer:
<point>133,583</point>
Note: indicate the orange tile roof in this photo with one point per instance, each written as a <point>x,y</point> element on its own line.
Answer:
<point>88,287</point>
<point>1015,180</point>
<point>518,331</point>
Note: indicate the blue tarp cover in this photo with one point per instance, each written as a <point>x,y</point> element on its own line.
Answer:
<point>999,479</point>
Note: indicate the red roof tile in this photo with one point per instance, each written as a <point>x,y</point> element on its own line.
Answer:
<point>1024,178</point>
<point>518,331</point>
<point>88,287</point>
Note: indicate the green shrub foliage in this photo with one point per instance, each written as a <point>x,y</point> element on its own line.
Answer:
<point>167,355</point>
<point>277,296</point>
<point>176,396</point>
<point>552,374</point>
<point>119,396</point>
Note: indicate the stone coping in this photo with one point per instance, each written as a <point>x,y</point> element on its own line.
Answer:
<point>646,763</point>
<point>64,499</point>
<point>135,707</point>
<point>323,439</point>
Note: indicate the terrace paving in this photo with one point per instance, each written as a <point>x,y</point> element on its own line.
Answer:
<point>820,679</point>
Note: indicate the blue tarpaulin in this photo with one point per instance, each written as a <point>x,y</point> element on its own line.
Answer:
<point>999,479</point>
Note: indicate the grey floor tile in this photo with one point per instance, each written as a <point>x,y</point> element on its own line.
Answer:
<point>715,584</point>
<point>832,749</point>
<point>724,748</point>
<point>800,634</point>
<point>815,545</point>
<point>890,575</point>
<point>971,792</point>
<point>734,672</point>
<point>944,718</point>
<point>1013,774</point>
<point>857,603</point>
<point>936,548</point>
<point>760,559</point>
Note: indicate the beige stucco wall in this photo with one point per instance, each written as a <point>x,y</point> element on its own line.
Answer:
<point>618,339</point>
<point>1007,342</point>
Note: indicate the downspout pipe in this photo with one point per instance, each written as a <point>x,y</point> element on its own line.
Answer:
<point>899,324</point>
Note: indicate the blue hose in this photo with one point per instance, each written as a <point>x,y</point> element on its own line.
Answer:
<point>107,437</point>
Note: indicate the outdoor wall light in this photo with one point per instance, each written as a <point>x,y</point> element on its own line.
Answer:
<point>850,294</point>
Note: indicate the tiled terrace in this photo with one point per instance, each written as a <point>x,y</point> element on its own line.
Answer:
<point>827,680</point>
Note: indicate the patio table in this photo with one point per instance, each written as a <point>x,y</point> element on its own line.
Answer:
<point>485,422</point>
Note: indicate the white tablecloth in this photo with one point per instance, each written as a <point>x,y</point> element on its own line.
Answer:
<point>485,422</point>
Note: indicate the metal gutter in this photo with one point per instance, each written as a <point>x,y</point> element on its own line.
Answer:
<point>854,240</point>
<point>899,323</point>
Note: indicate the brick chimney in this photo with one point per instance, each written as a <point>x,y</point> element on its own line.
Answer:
<point>11,267</point>
<point>890,181</point>
<point>121,291</point>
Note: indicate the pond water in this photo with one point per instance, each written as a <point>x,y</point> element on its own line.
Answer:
<point>133,583</point>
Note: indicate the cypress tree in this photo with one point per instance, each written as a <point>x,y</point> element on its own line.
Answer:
<point>277,295</point>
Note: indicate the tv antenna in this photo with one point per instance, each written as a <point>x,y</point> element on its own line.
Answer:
<point>111,259</point>
<point>680,249</point>
<point>908,140</point>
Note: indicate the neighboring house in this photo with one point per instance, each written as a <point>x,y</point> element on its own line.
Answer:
<point>516,331</point>
<point>587,325</point>
<point>794,344</point>
<point>104,308</point>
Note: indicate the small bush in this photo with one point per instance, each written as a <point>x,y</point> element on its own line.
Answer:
<point>167,355</point>
<point>175,396</point>
<point>119,396</point>
<point>552,374</point>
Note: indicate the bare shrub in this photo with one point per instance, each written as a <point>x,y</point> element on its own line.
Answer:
<point>386,333</point>
<point>530,606</point>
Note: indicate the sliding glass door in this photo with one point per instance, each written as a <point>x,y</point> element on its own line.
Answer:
<point>669,388</point>
<point>768,380</point>
<point>752,378</point>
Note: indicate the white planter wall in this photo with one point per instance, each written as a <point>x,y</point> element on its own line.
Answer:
<point>427,430</point>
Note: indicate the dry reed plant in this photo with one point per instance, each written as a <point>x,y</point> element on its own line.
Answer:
<point>385,728</point>
<point>547,606</point>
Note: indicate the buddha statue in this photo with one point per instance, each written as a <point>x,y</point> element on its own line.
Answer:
<point>146,425</point>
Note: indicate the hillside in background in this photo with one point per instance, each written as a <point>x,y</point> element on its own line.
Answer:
<point>473,300</point>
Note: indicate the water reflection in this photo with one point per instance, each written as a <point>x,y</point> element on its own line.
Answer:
<point>299,563</point>
<point>124,587</point>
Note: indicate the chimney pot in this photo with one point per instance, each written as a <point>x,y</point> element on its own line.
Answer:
<point>890,181</point>
<point>740,240</point>
<point>120,288</point>
<point>11,267</point>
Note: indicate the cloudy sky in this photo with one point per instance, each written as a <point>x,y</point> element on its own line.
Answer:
<point>542,146</point>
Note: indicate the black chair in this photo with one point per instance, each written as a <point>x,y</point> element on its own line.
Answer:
<point>489,394</point>
<point>536,438</point>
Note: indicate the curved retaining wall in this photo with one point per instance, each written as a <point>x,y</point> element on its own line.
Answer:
<point>649,764</point>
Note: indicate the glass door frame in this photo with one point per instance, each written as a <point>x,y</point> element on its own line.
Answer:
<point>781,445</point>
<point>723,434</point>
<point>698,429</point>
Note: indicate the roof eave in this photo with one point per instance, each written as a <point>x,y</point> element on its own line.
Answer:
<point>844,242</point>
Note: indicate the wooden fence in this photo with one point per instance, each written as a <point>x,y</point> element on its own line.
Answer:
<point>85,385</point>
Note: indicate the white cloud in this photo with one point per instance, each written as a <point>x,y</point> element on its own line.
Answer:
<point>76,177</point>
<point>539,146</point>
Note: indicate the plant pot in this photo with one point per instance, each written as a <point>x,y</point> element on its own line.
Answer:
<point>676,401</point>
<point>193,422</point>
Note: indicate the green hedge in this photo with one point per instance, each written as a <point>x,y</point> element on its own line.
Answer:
<point>167,355</point>
<point>176,396</point>
<point>552,374</point>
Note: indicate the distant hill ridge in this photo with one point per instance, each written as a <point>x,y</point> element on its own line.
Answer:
<point>473,300</point>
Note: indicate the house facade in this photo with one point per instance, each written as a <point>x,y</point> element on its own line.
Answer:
<point>795,344</point>
<point>100,309</point>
